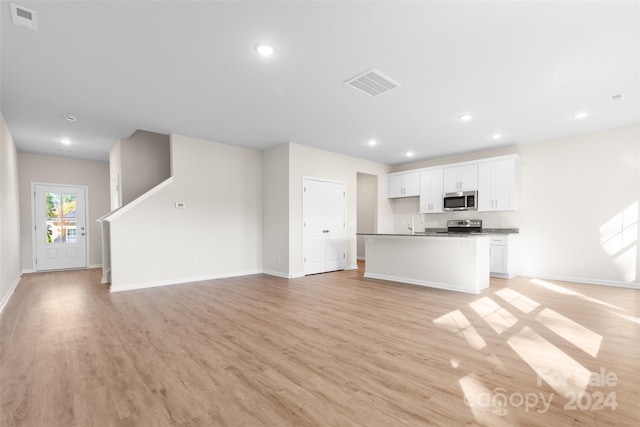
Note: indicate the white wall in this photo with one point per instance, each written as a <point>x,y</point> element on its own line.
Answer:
<point>367,207</point>
<point>217,234</point>
<point>59,170</point>
<point>145,162</point>
<point>575,192</point>
<point>275,210</point>
<point>137,164</point>
<point>577,195</point>
<point>10,270</point>
<point>314,163</point>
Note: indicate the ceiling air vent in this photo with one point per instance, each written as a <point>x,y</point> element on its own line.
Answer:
<point>24,17</point>
<point>372,82</point>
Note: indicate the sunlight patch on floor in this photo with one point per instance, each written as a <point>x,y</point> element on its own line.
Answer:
<point>516,299</point>
<point>629,318</point>
<point>478,398</point>
<point>578,335</point>
<point>491,312</point>
<point>551,364</point>
<point>456,322</point>
<point>565,291</point>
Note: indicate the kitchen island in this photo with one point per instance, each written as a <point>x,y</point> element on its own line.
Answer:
<point>445,261</point>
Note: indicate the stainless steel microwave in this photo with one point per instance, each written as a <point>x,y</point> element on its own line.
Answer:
<point>461,201</point>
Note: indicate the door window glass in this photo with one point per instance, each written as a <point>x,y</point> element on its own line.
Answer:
<point>61,217</point>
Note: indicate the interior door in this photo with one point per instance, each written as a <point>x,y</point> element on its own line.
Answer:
<point>60,227</point>
<point>314,230</point>
<point>334,222</point>
<point>324,226</point>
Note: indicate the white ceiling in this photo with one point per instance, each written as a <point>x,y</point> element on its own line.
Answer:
<point>522,69</point>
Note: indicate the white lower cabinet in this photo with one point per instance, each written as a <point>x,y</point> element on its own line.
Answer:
<point>503,255</point>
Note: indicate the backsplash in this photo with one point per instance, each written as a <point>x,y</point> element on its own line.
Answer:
<point>404,208</point>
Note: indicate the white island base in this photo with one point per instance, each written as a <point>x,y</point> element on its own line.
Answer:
<point>446,262</point>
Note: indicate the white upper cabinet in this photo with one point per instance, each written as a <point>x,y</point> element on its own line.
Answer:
<point>461,178</point>
<point>404,185</point>
<point>498,185</point>
<point>496,179</point>
<point>431,189</point>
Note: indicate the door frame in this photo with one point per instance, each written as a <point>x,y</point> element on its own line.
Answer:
<point>34,249</point>
<point>344,235</point>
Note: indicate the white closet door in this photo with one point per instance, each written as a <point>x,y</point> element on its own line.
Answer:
<point>334,222</point>
<point>324,226</point>
<point>313,223</point>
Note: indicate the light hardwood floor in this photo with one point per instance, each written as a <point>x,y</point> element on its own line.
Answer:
<point>326,350</point>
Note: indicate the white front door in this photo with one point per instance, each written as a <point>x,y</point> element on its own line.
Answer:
<point>324,226</point>
<point>59,227</point>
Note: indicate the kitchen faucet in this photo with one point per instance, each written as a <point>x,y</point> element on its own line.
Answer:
<point>413,225</point>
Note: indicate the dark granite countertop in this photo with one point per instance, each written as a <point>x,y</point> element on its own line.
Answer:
<point>501,230</point>
<point>484,230</point>
<point>441,232</point>
<point>425,234</point>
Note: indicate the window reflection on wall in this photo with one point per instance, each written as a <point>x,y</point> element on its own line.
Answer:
<point>619,239</point>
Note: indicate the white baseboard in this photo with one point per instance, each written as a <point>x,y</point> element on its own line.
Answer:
<point>351,267</point>
<point>502,275</point>
<point>360,258</point>
<point>169,282</point>
<point>29,270</point>
<point>277,274</point>
<point>283,275</point>
<point>584,280</point>
<point>7,297</point>
<point>437,285</point>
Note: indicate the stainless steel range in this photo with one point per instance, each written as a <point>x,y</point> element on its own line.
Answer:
<point>464,226</point>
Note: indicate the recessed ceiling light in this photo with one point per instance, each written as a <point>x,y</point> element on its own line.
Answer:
<point>409,153</point>
<point>616,97</point>
<point>265,49</point>
<point>70,117</point>
<point>581,115</point>
<point>65,142</point>
<point>497,136</point>
<point>465,117</point>
<point>372,143</point>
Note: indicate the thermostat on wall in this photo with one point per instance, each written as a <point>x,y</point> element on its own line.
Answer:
<point>181,205</point>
